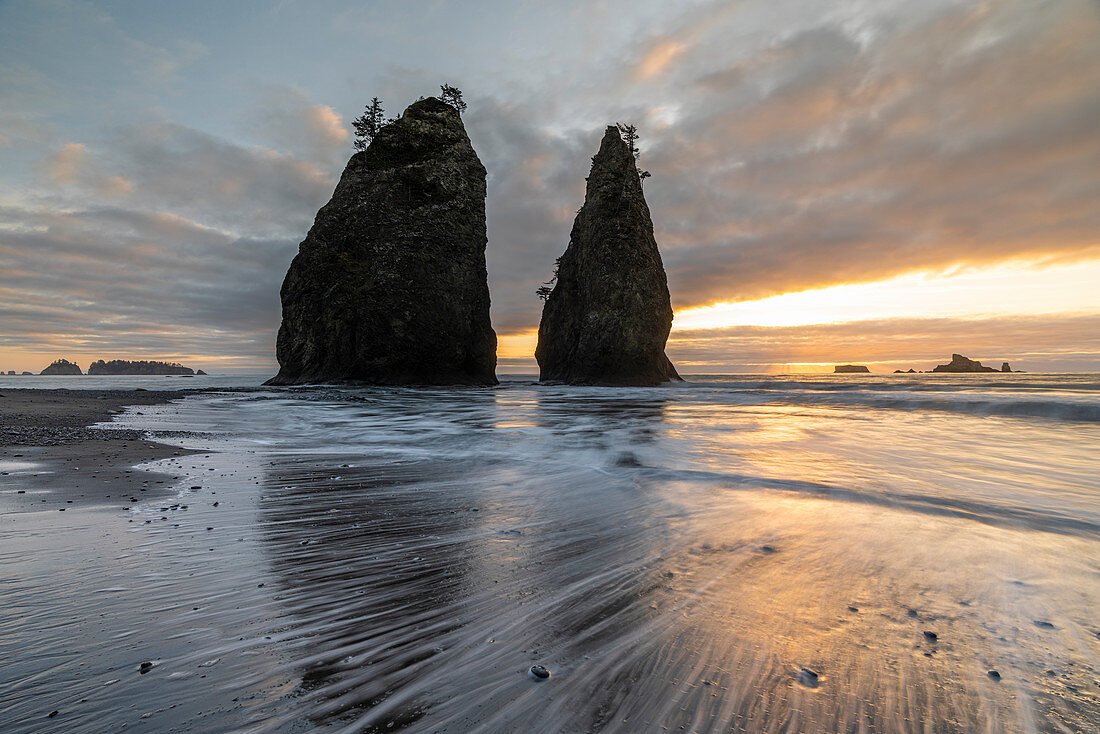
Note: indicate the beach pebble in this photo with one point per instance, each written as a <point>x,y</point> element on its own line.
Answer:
<point>145,667</point>
<point>52,714</point>
<point>807,677</point>
<point>994,675</point>
<point>1044,624</point>
<point>931,636</point>
<point>538,671</point>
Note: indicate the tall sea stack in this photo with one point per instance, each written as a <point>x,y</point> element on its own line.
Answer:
<point>607,318</point>
<point>389,286</point>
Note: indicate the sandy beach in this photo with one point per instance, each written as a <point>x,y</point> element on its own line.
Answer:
<point>51,454</point>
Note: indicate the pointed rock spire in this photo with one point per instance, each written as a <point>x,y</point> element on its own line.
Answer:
<point>389,286</point>
<point>608,316</point>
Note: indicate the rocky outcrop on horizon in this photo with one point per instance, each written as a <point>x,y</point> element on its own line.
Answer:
<point>848,368</point>
<point>137,367</point>
<point>62,367</point>
<point>960,363</point>
<point>607,318</point>
<point>389,285</point>
<point>1005,367</point>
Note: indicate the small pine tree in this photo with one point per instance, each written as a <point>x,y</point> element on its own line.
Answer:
<point>544,290</point>
<point>369,123</point>
<point>453,97</point>
<point>630,135</point>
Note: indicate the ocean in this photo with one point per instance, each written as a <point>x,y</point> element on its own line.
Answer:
<point>853,553</point>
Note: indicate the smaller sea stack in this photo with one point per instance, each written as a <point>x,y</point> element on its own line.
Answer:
<point>608,316</point>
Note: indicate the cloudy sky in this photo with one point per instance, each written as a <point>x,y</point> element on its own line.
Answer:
<point>869,181</point>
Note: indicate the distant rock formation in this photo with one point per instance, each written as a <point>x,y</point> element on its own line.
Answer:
<point>389,286</point>
<point>11,372</point>
<point>909,371</point>
<point>850,368</point>
<point>140,367</point>
<point>27,373</point>
<point>62,367</point>
<point>1005,367</point>
<point>960,363</point>
<point>608,316</point>
<point>200,373</point>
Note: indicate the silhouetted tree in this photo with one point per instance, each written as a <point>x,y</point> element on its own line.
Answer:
<point>630,135</point>
<point>453,97</point>
<point>369,123</point>
<point>544,290</point>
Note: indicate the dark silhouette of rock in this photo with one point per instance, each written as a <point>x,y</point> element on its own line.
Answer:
<point>909,371</point>
<point>607,318</point>
<point>1005,367</point>
<point>850,368</point>
<point>389,286</point>
<point>138,367</point>
<point>62,367</point>
<point>200,373</point>
<point>960,363</point>
<point>27,373</point>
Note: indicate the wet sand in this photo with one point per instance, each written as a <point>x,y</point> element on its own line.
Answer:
<point>399,560</point>
<point>52,454</point>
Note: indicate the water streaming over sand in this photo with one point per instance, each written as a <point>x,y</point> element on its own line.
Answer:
<point>745,553</point>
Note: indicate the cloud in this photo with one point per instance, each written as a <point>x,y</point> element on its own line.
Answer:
<point>286,119</point>
<point>68,164</point>
<point>72,166</point>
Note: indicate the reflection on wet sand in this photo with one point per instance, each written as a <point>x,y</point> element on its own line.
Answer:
<point>420,592</point>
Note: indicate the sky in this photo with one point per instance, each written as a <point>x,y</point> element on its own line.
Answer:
<point>869,181</point>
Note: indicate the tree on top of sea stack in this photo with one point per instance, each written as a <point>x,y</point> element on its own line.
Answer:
<point>607,318</point>
<point>389,286</point>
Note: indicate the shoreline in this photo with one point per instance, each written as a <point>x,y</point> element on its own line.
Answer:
<point>52,457</point>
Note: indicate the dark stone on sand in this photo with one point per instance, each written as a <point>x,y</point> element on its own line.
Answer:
<point>538,671</point>
<point>390,286</point>
<point>1044,624</point>
<point>960,363</point>
<point>607,319</point>
<point>52,714</point>
<point>61,367</point>
<point>841,368</point>
<point>145,667</point>
<point>808,678</point>
<point>994,675</point>
<point>931,636</point>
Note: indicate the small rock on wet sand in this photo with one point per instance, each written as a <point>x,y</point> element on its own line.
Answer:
<point>808,678</point>
<point>538,671</point>
<point>931,636</point>
<point>994,675</point>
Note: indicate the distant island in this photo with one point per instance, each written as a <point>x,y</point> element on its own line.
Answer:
<point>960,363</point>
<point>850,368</point>
<point>62,367</point>
<point>138,367</point>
